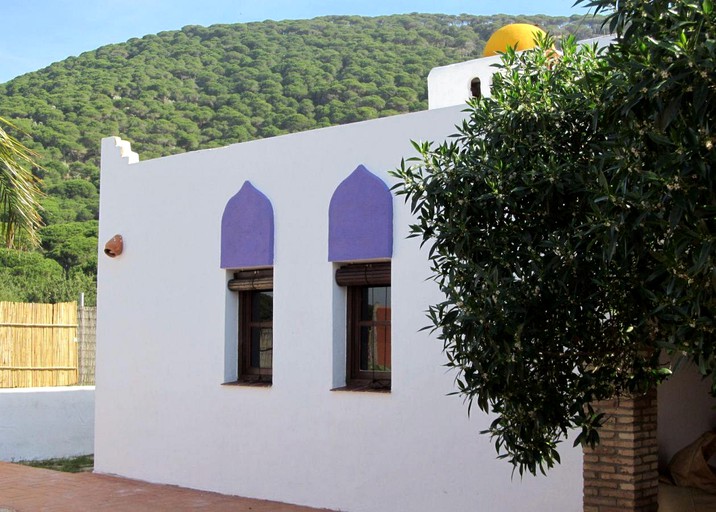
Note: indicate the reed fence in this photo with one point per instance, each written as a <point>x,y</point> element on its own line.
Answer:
<point>87,338</point>
<point>39,344</point>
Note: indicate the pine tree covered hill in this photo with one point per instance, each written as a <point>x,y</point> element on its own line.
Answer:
<point>203,87</point>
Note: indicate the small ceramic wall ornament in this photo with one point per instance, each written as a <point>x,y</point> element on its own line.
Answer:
<point>114,247</point>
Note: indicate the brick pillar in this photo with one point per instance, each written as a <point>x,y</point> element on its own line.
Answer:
<point>620,474</point>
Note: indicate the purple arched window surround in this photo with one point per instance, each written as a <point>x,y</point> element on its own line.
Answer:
<point>247,230</point>
<point>360,219</point>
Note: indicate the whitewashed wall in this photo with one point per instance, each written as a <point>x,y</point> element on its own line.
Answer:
<point>450,85</point>
<point>167,332</point>
<point>45,423</point>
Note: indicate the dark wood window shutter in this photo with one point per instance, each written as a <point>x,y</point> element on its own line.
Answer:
<point>249,280</point>
<point>364,274</point>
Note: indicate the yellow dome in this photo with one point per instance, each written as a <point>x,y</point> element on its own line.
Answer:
<point>519,36</point>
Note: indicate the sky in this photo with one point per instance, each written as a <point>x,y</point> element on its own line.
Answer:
<point>36,33</point>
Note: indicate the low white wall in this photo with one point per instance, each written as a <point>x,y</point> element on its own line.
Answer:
<point>45,423</point>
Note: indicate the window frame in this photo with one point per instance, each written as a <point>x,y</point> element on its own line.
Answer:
<point>248,372</point>
<point>356,278</point>
<point>249,284</point>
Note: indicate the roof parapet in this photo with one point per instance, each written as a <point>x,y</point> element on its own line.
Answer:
<point>118,150</point>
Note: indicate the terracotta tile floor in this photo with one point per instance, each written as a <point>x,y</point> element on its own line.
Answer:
<point>25,489</point>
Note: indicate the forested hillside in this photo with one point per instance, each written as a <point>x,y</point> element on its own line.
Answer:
<point>204,87</point>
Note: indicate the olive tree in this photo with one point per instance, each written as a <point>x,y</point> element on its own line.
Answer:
<point>570,226</point>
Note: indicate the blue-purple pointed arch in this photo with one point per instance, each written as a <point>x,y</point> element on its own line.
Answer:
<point>360,218</point>
<point>247,230</point>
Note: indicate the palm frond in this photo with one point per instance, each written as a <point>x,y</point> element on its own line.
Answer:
<point>19,191</point>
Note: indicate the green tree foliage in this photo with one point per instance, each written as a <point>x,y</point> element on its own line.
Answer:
<point>30,277</point>
<point>570,226</point>
<point>204,87</point>
<point>504,209</point>
<point>16,266</point>
<point>73,245</point>
<point>199,87</point>
<point>660,195</point>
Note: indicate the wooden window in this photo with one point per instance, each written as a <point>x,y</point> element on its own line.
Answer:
<point>255,289</point>
<point>368,321</point>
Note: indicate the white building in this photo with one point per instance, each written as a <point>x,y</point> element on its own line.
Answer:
<point>169,408</point>
<point>233,354</point>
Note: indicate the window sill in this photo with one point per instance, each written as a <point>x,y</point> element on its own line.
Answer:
<point>248,384</point>
<point>366,387</point>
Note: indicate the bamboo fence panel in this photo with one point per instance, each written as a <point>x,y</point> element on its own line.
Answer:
<point>87,334</point>
<point>38,344</point>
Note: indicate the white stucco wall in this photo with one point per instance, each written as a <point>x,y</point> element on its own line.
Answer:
<point>450,85</point>
<point>167,331</point>
<point>45,423</point>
